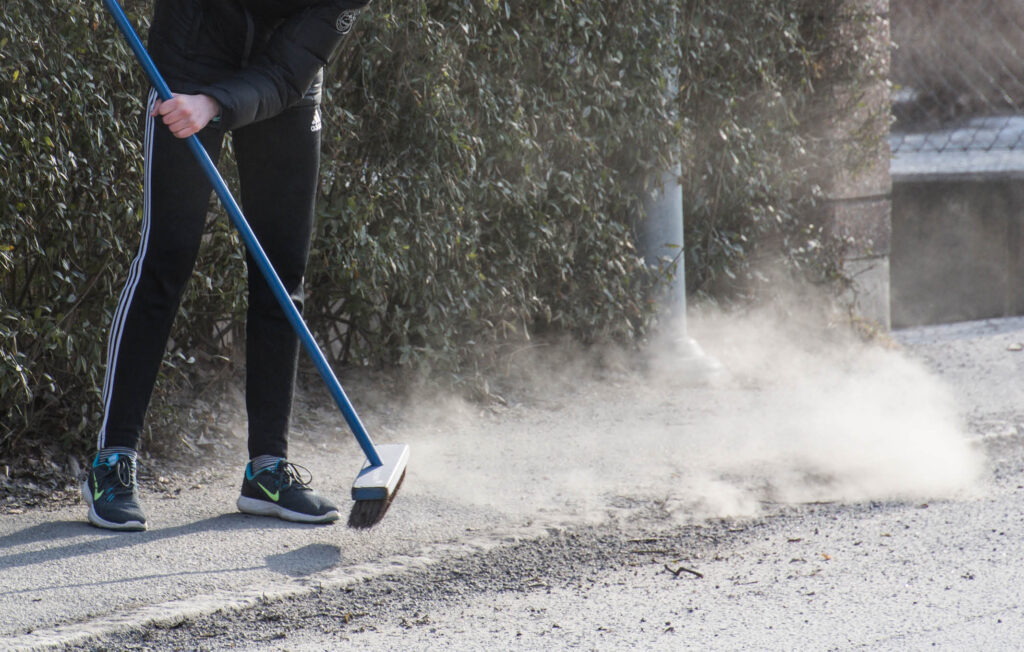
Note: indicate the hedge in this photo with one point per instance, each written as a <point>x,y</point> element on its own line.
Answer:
<point>482,174</point>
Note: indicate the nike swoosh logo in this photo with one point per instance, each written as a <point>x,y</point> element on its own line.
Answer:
<point>96,495</point>
<point>273,496</point>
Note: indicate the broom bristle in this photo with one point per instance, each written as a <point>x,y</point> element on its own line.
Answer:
<point>367,513</point>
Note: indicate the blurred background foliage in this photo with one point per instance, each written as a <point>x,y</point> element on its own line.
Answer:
<point>482,176</point>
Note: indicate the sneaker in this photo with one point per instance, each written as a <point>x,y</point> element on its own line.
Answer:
<point>112,495</point>
<point>282,491</point>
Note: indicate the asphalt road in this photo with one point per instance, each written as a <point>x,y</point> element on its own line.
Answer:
<point>825,496</point>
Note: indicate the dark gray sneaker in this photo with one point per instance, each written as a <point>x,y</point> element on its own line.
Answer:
<point>112,495</point>
<point>282,491</point>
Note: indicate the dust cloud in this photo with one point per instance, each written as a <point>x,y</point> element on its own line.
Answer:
<point>802,415</point>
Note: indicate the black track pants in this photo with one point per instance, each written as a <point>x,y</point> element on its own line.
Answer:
<point>278,163</point>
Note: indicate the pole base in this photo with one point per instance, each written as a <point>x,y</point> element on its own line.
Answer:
<point>679,360</point>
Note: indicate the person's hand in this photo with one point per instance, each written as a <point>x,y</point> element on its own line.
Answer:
<point>185,115</point>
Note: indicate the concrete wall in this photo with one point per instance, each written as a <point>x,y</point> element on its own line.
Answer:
<point>956,247</point>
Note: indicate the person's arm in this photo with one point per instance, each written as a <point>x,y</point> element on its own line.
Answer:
<point>280,75</point>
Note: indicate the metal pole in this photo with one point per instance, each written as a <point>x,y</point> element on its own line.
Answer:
<point>664,249</point>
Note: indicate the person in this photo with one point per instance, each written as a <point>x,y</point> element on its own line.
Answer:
<point>253,68</point>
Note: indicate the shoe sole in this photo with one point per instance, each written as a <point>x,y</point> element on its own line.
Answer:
<point>95,519</point>
<point>259,507</point>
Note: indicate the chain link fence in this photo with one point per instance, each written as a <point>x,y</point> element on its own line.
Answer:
<point>958,76</point>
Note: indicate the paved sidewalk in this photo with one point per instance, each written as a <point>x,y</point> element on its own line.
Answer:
<point>611,448</point>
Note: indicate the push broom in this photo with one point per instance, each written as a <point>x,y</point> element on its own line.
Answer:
<point>381,476</point>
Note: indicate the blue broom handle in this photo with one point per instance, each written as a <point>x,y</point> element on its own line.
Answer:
<point>221,188</point>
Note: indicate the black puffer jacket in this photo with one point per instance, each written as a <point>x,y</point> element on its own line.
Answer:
<point>255,57</point>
